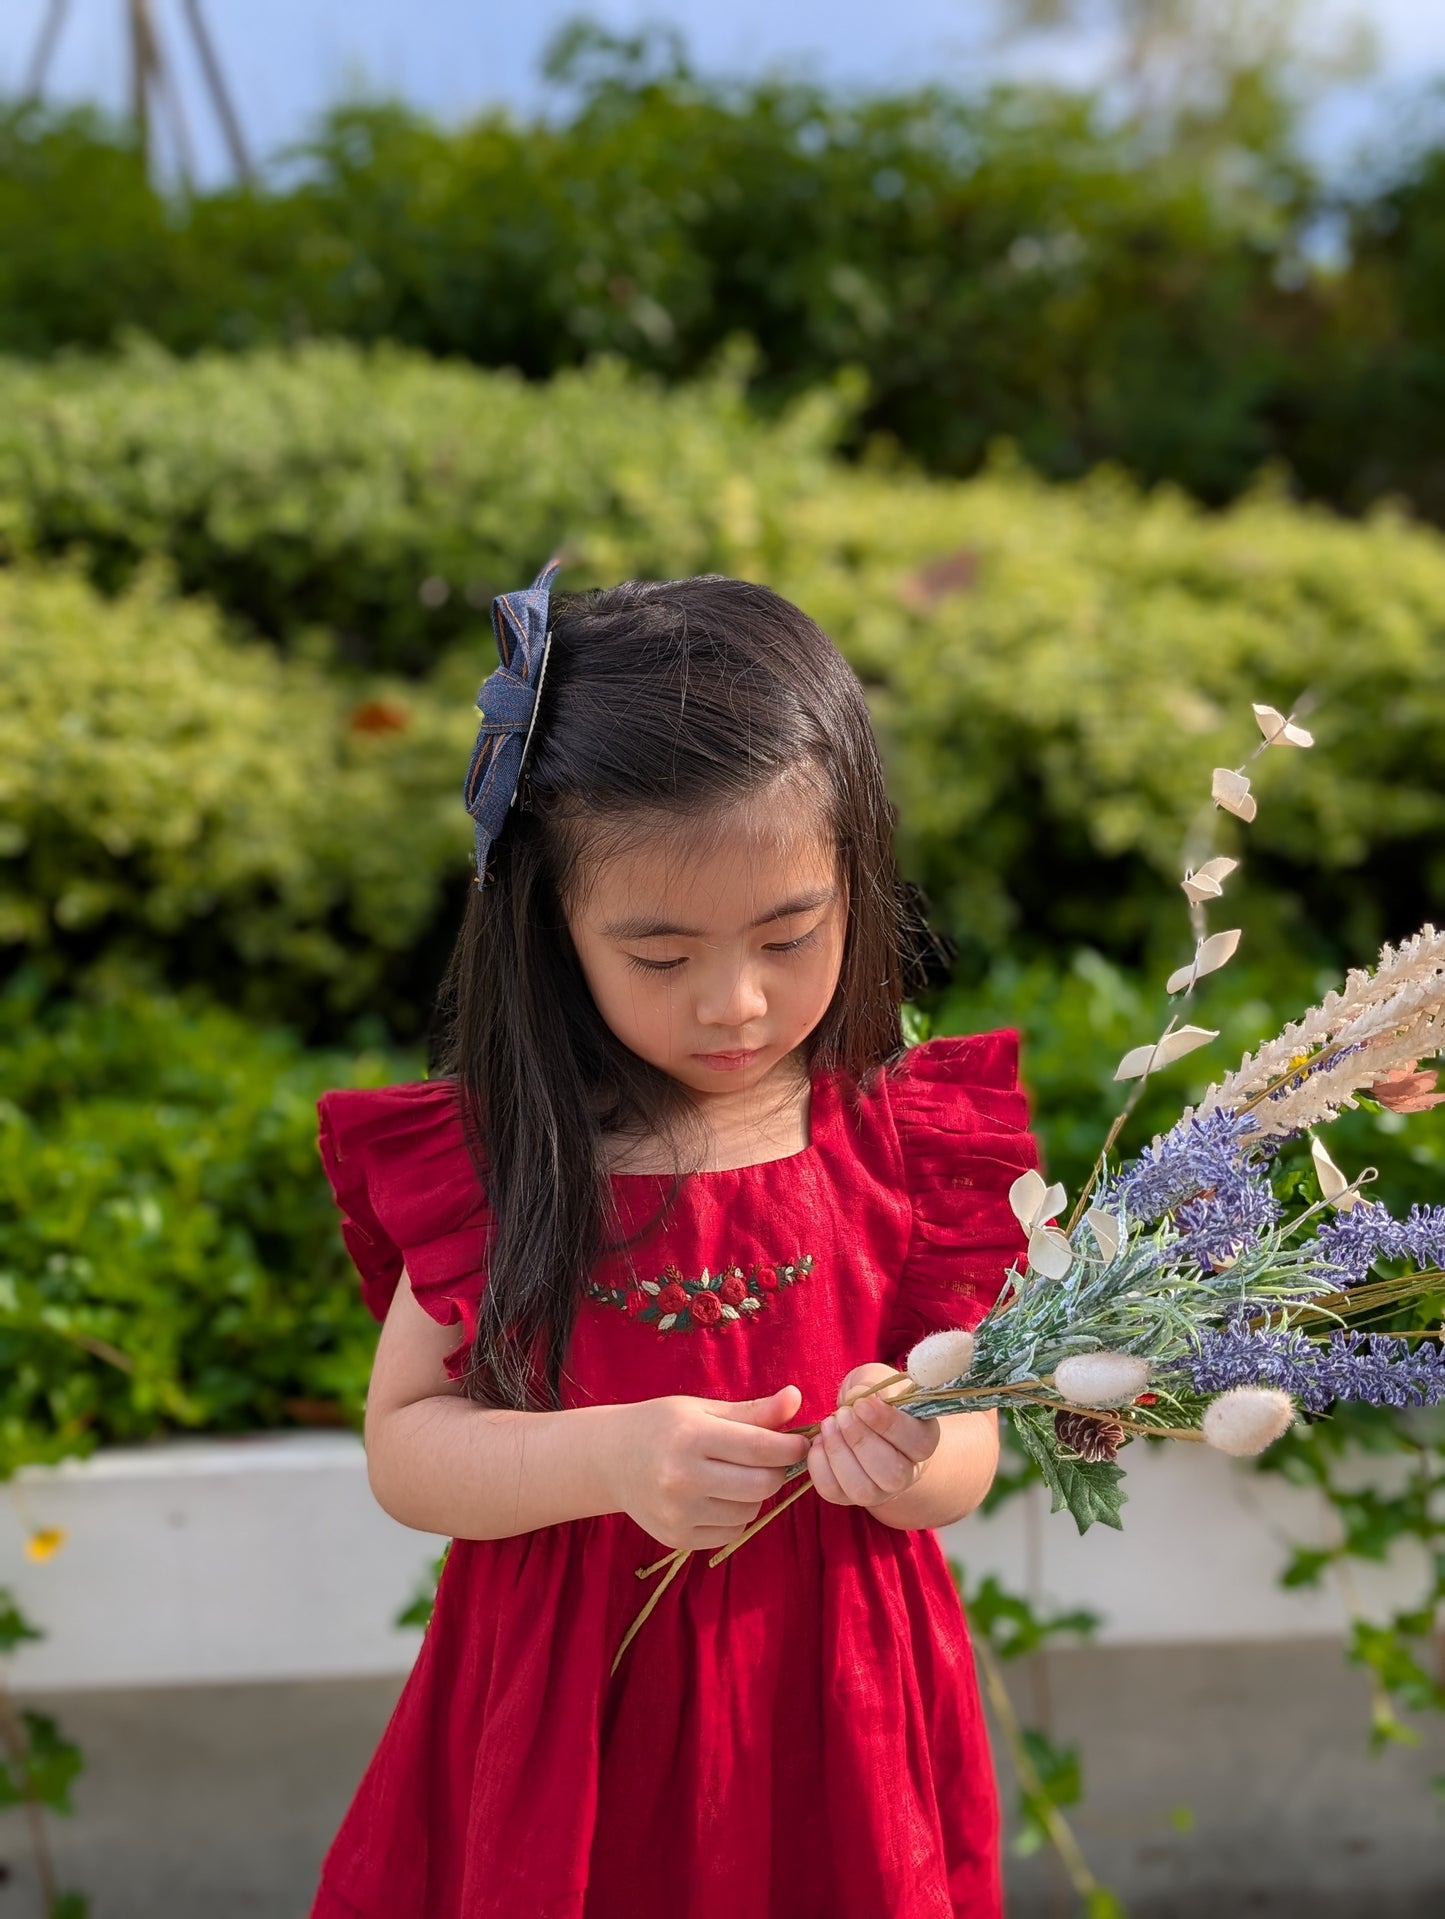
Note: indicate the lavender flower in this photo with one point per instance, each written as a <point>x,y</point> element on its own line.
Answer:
<point>1349,1244</point>
<point>1212,1150</point>
<point>1235,1214</point>
<point>1371,1368</point>
<point>1211,1173</point>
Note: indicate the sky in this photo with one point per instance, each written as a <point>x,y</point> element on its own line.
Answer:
<point>287,59</point>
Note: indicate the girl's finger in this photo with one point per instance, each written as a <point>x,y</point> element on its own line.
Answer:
<point>709,1538</point>
<point>890,1470</point>
<point>848,1469</point>
<point>918,1438</point>
<point>825,1480</point>
<point>741,1482</point>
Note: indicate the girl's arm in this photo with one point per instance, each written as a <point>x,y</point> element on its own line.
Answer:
<point>692,1472</point>
<point>910,1473</point>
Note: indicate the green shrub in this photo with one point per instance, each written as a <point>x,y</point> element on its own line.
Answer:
<point>169,1254</point>
<point>174,805</point>
<point>379,495</point>
<point>1004,261</point>
<point>1054,669</point>
<point>1053,721</point>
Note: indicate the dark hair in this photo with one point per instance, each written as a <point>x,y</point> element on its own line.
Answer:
<point>664,704</point>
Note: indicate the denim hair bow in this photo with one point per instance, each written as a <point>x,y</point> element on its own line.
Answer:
<point>507,704</point>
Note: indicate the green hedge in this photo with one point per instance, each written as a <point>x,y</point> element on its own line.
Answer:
<point>169,1252</point>
<point>380,496</point>
<point>1054,670</point>
<point>1010,262</point>
<point>169,1255</point>
<point>176,806</point>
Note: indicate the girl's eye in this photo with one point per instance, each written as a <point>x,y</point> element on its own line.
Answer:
<point>791,946</point>
<point>671,966</point>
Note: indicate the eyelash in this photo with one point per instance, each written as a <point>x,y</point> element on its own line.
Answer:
<point>671,966</point>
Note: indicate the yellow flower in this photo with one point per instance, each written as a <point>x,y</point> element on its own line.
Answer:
<point>45,1543</point>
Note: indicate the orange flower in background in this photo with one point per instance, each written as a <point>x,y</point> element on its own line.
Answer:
<point>923,589</point>
<point>1406,1091</point>
<point>380,716</point>
<point>46,1542</point>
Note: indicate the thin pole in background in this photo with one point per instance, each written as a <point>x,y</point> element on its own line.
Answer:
<point>153,77</point>
<point>142,54</point>
<point>44,47</point>
<point>220,93</point>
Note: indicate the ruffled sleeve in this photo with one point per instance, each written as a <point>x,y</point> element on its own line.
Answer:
<point>409,1196</point>
<point>963,1133</point>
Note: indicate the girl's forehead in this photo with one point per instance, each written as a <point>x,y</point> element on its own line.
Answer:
<point>715,879</point>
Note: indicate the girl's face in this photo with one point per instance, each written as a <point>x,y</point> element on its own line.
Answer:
<point>693,957</point>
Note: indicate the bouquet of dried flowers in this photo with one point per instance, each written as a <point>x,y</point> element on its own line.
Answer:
<point>1187,1303</point>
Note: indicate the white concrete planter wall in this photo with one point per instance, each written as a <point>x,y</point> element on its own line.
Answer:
<point>267,1558</point>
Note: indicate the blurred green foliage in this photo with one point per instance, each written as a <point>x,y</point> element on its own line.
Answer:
<point>175,806</point>
<point>1054,669</point>
<point>1014,261</point>
<point>169,1257</point>
<point>370,504</point>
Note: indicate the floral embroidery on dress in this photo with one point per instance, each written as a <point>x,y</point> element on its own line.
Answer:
<point>676,1304</point>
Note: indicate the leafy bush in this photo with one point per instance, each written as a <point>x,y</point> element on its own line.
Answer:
<point>169,1257</point>
<point>1054,716</point>
<point>1054,669</point>
<point>174,805</point>
<point>380,495</point>
<point>1011,261</point>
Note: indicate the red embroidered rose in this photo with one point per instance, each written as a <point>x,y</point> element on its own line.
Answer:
<point>733,1290</point>
<point>634,1304</point>
<point>706,1308</point>
<point>767,1278</point>
<point>672,1299</point>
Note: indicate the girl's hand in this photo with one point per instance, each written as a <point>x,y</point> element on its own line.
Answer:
<point>870,1452</point>
<point>694,1472</point>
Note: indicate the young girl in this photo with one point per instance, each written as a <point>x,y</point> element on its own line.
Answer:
<point>681,1188</point>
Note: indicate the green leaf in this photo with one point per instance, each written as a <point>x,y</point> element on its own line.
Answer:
<point>44,1769</point>
<point>916,1023</point>
<point>14,1626</point>
<point>1100,1903</point>
<point>419,1611</point>
<point>1089,1490</point>
<point>1307,1566</point>
<point>1011,1625</point>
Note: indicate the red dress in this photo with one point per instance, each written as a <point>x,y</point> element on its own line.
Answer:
<point>794,1732</point>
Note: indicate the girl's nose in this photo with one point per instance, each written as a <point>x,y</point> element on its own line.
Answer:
<point>731,998</point>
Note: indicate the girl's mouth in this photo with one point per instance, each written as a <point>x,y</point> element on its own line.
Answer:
<point>727,1062</point>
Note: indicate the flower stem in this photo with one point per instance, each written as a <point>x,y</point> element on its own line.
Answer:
<point>1061,1834</point>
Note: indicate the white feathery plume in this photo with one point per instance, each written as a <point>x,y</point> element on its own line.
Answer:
<point>1246,1420</point>
<point>1101,1379</point>
<point>940,1359</point>
<point>1389,1016</point>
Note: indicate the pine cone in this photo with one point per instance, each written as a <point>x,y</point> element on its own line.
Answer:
<point>1092,1437</point>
